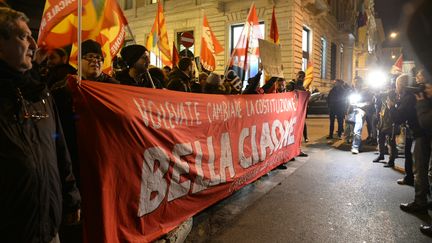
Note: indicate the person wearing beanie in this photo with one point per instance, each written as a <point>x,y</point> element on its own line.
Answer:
<point>180,77</point>
<point>92,60</point>
<point>137,60</point>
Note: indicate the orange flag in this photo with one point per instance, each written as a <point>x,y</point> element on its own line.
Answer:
<point>274,32</point>
<point>247,44</point>
<point>159,37</point>
<point>59,24</point>
<point>309,76</point>
<point>111,38</point>
<point>397,67</point>
<point>176,57</point>
<point>210,47</point>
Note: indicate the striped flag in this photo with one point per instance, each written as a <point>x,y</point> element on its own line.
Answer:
<point>309,76</point>
<point>159,37</point>
<point>247,44</point>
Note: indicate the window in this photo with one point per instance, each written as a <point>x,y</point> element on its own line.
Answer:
<point>333,61</point>
<point>236,31</point>
<point>153,1</point>
<point>128,4</point>
<point>183,51</point>
<point>305,47</point>
<point>323,57</point>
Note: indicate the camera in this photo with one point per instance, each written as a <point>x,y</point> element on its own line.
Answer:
<point>419,88</point>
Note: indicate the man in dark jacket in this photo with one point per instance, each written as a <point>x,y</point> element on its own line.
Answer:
<point>180,78</point>
<point>137,73</point>
<point>297,84</point>
<point>424,115</point>
<point>337,105</point>
<point>36,180</point>
<point>92,61</point>
<point>406,111</point>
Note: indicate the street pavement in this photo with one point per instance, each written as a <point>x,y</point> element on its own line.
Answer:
<point>330,196</point>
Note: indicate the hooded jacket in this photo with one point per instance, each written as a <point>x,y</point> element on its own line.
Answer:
<point>36,180</point>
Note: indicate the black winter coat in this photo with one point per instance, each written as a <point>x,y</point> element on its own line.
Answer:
<point>179,81</point>
<point>35,168</point>
<point>337,99</point>
<point>424,114</point>
<point>406,112</point>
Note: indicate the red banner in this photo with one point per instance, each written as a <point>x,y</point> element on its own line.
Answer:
<point>151,158</point>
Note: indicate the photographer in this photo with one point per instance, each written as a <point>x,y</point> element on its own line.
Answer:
<point>405,112</point>
<point>424,114</point>
<point>387,129</point>
<point>359,103</point>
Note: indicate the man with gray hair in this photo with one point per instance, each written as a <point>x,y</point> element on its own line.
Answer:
<point>36,180</point>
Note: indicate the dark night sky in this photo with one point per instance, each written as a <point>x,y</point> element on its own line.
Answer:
<point>391,12</point>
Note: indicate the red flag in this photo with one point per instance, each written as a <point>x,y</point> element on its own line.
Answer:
<point>159,37</point>
<point>175,56</point>
<point>274,37</point>
<point>397,67</point>
<point>247,44</point>
<point>59,24</point>
<point>210,47</point>
<point>111,38</point>
<point>274,32</point>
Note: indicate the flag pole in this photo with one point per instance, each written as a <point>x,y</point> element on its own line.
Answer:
<point>130,32</point>
<point>79,37</point>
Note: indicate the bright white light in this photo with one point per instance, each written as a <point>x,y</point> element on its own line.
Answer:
<point>393,35</point>
<point>393,56</point>
<point>376,79</point>
<point>354,99</point>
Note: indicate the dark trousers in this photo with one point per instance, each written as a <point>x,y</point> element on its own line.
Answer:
<point>340,119</point>
<point>409,176</point>
<point>384,137</point>
<point>422,150</point>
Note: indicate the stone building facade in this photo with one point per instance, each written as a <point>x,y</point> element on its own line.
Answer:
<point>321,31</point>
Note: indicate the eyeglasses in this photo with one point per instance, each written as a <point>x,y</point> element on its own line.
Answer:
<point>34,114</point>
<point>93,58</point>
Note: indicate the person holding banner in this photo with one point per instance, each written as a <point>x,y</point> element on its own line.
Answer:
<point>37,184</point>
<point>297,84</point>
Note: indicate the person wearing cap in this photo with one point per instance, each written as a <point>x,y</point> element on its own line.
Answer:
<point>37,186</point>
<point>92,60</point>
<point>180,77</point>
<point>137,60</point>
<point>214,84</point>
